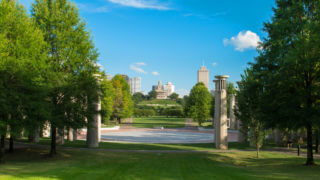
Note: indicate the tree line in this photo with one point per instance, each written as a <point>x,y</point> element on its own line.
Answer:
<point>49,75</point>
<point>280,90</point>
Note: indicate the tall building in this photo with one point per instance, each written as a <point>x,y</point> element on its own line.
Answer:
<point>161,92</point>
<point>135,85</point>
<point>203,76</point>
<point>169,88</point>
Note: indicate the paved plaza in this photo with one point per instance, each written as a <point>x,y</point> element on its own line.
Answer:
<point>163,136</point>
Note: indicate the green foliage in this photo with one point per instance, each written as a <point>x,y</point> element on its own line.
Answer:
<point>174,96</point>
<point>199,103</point>
<point>107,100</point>
<point>173,112</point>
<point>123,104</point>
<point>152,95</point>
<point>72,57</point>
<point>138,97</point>
<point>23,70</point>
<point>285,76</point>
<point>144,112</point>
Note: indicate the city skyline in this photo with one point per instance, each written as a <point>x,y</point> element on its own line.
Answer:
<point>170,39</point>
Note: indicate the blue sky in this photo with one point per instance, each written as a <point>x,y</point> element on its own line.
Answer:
<point>169,40</point>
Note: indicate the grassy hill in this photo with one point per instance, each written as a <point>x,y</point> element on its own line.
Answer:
<point>159,102</point>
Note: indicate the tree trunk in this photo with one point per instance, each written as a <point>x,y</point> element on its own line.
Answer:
<point>53,140</point>
<point>11,150</point>
<point>2,149</point>
<point>258,149</point>
<point>310,160</point>
<point>36,135</point>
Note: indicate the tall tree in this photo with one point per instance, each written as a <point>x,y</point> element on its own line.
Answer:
<point>199,103</point>
<point>72,57</point>
<point>123,104</point>
<point>152,94</point>
<point>22,67</point>
<point>107,100</point>
<point>250,108</point>
<point>174,96</point>
<point>288,64</point>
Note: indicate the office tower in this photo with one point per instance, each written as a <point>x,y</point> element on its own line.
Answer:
<point>169,88</point>
<point>203,76</point>
<point>135,84</point>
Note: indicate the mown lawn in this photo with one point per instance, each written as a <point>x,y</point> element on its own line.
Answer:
<point>153,122</point>
<point>148,146</point>
<point>84,164</point>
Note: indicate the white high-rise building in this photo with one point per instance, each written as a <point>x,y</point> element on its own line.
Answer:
<point>169,88</point>
<point>135,85</point>
<point>203,76</point>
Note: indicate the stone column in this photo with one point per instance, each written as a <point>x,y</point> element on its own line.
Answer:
<point>220,115</point>
<point>232,116</point>
<point>70,135</point>
<point>94,125</point>
<point>75,134</point>
<point>60,136</point>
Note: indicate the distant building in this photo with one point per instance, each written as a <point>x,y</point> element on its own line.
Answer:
<point>125,77</point>
<point>169,88</point>
<point>161,92</point>
<point>109,76</point>
<point>203,76</point>
<point>135,85</point>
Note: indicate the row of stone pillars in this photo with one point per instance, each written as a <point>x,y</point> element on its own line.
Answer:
<point>220,115</point>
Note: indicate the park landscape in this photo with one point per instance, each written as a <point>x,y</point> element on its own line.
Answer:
<point>62,118</point>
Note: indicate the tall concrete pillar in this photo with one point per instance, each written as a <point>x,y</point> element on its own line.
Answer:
<point>220,115</point>
<point>232,116</point>
<point>94,128</point>
<point>75,134</point>
<point>60,136</point>
<point>94,125</point>
<point>70,135</point>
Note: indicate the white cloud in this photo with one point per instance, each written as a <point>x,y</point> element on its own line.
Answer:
<point>141,64</point>
<point>182,92</point>
<point>243,41</point>
<point>214,64</point>
<point>137,69</point>
<point>141,4</point>
<point>156,73</point>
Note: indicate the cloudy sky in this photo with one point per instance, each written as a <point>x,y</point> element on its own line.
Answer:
<point>169,40</point>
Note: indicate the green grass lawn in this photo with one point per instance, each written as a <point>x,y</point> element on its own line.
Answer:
<point>147,146</point>
<point>158,122</point>
<point>82,164</point>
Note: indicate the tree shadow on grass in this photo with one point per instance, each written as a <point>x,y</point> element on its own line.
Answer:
<point>75,164</point>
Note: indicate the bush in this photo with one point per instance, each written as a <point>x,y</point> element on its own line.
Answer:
<point>144,112</point>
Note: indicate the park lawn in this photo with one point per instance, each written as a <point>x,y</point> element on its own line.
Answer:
<point>89,164</point>
<point>147,146</point>
<point>152,122</point>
